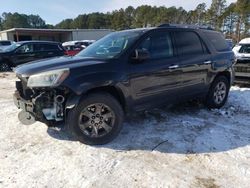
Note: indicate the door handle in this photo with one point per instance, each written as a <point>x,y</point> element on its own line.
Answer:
<point>173,67</point>
<point>207,62</point>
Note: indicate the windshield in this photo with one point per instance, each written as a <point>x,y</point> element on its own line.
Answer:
<point>245,49</point>
<point>111,46</point>
<point>12,47</point>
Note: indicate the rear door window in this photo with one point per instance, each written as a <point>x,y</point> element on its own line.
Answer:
<point>218,41</point>
<point>52,47</point>
<point>46,47</point>
<point>189,43</point>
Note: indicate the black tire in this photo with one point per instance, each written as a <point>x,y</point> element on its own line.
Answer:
<point>75,115</point>
<point>4,67</point>
<point>212,100</point>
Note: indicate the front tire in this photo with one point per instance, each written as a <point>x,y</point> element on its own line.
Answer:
<point>218,93</point>
<point>96,120</point>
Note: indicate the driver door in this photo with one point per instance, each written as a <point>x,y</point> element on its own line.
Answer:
<point>158,78</point>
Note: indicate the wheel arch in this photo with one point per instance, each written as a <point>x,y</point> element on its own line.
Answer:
<point>226,73</point>
<point>73,99</point>
<point>113,91</point>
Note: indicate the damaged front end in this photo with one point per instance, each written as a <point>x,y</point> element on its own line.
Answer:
<point>40,103</point>
<point>44,105</point>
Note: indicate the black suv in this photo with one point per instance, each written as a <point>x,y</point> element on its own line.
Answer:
<point>26,51</point>
<point>124,72</point>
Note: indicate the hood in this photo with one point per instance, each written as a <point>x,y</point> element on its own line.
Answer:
<point>3,52</point>
<point>1,49</point>
<point>55,63</point>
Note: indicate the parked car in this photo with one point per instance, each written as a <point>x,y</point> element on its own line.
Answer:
<point>74,47</point>
<point>86,43</point>
<point>124,72</point>
<point>242,67</point>
<point>72,50</point>
<point>69,43</point>
<point>23,52</point>
<point>4,44</point>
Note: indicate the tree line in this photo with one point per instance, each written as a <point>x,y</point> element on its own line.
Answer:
<point>16,20</point>
<point>232,20</point>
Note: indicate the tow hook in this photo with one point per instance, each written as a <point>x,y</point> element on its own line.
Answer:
<point>26,118</point>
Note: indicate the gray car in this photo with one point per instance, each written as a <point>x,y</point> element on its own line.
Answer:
<point>242,67</point>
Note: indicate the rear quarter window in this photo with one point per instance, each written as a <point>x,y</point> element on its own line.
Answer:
<point>218,41</point>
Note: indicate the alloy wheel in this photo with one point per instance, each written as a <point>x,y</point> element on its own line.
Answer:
<point>220,92</point>
<point>96,120</point>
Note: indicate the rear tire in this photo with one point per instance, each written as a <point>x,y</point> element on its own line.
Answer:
<point>96,120</point>
<point>4,67</point>
<point>218,93</point>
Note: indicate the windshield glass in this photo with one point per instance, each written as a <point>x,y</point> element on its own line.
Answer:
<point>12,47</point>
<point>111,46</point>
<point>245,49</point>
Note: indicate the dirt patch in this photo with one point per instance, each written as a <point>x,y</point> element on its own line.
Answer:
<point>205,183</point>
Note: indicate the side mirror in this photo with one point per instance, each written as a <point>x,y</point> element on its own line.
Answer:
<point>141,54</point>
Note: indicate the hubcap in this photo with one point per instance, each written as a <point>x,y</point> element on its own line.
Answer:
<point>96,120</point>
<point>220,92</point>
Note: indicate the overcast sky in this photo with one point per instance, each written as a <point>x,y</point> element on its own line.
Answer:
<point>53,11</point>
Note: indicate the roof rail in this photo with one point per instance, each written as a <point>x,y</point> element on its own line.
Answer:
<point>186,26</point>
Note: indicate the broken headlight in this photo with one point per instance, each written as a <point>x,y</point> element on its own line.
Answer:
<point>48,79</point>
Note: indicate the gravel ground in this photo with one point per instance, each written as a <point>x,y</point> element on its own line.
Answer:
<point>185,146</point>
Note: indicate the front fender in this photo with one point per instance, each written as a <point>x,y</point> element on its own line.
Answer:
<point>72,101</point>
<point>82,83</point>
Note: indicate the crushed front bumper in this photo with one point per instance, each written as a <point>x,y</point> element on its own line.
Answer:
<point>45,104</point>
<point>23,104</point>
<point>44,107</point>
